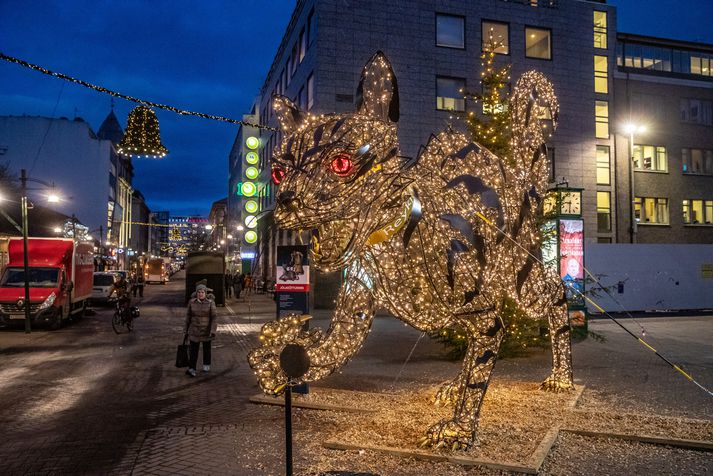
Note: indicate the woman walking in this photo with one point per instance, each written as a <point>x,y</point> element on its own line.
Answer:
<point>201,326</point>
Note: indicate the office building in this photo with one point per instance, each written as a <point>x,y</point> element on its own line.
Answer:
<point>605,80</point>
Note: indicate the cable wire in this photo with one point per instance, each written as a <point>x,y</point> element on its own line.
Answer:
<point>104,90</point>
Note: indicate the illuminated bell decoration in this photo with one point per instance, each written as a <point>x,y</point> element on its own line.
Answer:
<point>446,239</point>
<point>252,158</point>
<point>251,206</point>
<point>142,137</point>
<point>251,221</point>
<point>252,142</point>
<point>251,173</point>
<point>251,237</point>
<point>249,189</point>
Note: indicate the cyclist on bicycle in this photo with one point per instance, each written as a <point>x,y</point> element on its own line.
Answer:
<point>121,288</point>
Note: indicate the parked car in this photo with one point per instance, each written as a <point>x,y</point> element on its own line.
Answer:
<point>103,282</point>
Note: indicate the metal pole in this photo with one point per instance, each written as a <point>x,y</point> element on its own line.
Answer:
<point>632,193</point>
<point>288,430</point>
<point>25,257</point>
<point>101,248</point>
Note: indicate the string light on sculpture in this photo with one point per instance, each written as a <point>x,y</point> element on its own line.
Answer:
<point>416,237</point>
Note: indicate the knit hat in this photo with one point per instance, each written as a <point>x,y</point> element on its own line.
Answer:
<point>202,287</point>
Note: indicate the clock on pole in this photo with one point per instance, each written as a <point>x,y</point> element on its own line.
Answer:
<point>563,246</point>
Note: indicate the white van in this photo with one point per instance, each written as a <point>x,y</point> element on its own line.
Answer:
<point>103,282</point>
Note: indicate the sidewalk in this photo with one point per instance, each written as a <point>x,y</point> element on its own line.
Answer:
<point>232,436</point>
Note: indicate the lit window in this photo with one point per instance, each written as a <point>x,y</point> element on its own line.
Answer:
<point>603,212</point>
<point>538,43</point>
<point>601,83</point>
<point>600,29</point>
<point>496,35</point>
<point>649,157</point>
<point>651,210</point>
<point>601,116</point>
<point>603,167</point>
<point>450,31</point>
<point>449,94</point>
<point>698,212</point>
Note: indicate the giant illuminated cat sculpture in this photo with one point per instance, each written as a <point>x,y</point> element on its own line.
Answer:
<point>438,241</point>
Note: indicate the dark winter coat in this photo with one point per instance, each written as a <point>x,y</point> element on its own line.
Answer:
<point>201,321</point>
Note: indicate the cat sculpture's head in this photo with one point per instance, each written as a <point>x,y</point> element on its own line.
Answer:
<point>337,174</point>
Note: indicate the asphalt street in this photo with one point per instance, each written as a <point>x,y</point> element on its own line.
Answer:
<point>84,400</point>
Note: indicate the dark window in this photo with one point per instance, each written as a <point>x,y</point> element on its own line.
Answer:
<point>311,28</point>
<point>303,44</point>
<point>450,31</point>
<point>310,91</point>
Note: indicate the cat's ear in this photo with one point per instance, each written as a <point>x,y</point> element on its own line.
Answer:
<point>378,94</point>
<point>288,114</point>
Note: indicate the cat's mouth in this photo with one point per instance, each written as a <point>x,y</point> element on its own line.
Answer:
<point>333,244</point>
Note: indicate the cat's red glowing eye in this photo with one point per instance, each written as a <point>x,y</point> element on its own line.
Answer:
<point>278,173</point>
<point>342,165</point>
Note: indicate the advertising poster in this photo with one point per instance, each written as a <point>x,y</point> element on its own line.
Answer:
<point>292,269</point>
<point>549,244</point>
<point>572,258</point>
<point>292,273</point>
<point>292,287</point>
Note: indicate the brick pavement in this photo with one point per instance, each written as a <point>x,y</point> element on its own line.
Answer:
<point>83,400</point>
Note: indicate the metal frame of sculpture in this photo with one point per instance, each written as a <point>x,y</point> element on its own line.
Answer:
<point>441,240</point>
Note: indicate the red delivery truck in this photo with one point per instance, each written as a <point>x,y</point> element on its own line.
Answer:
<point>60,277</point>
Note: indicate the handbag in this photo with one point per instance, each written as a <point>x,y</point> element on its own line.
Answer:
<point>182,354</point>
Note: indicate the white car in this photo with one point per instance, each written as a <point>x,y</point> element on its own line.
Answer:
<point>103,282</point>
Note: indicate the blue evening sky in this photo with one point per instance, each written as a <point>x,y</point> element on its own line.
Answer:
<point>206,56</point>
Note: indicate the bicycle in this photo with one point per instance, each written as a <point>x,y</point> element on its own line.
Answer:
<point>123,316</point>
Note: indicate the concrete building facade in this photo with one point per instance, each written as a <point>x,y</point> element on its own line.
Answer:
<point>666,87</point>
<point>94,181</point>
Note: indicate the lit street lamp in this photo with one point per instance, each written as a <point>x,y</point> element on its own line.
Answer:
<point>630,129</point>
<point>52,198</point>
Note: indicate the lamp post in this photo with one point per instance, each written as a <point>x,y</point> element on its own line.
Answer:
<point>52,198</point>
<point>630,129</point>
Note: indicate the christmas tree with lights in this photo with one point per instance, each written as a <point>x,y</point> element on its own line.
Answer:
<point>491,127</point>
